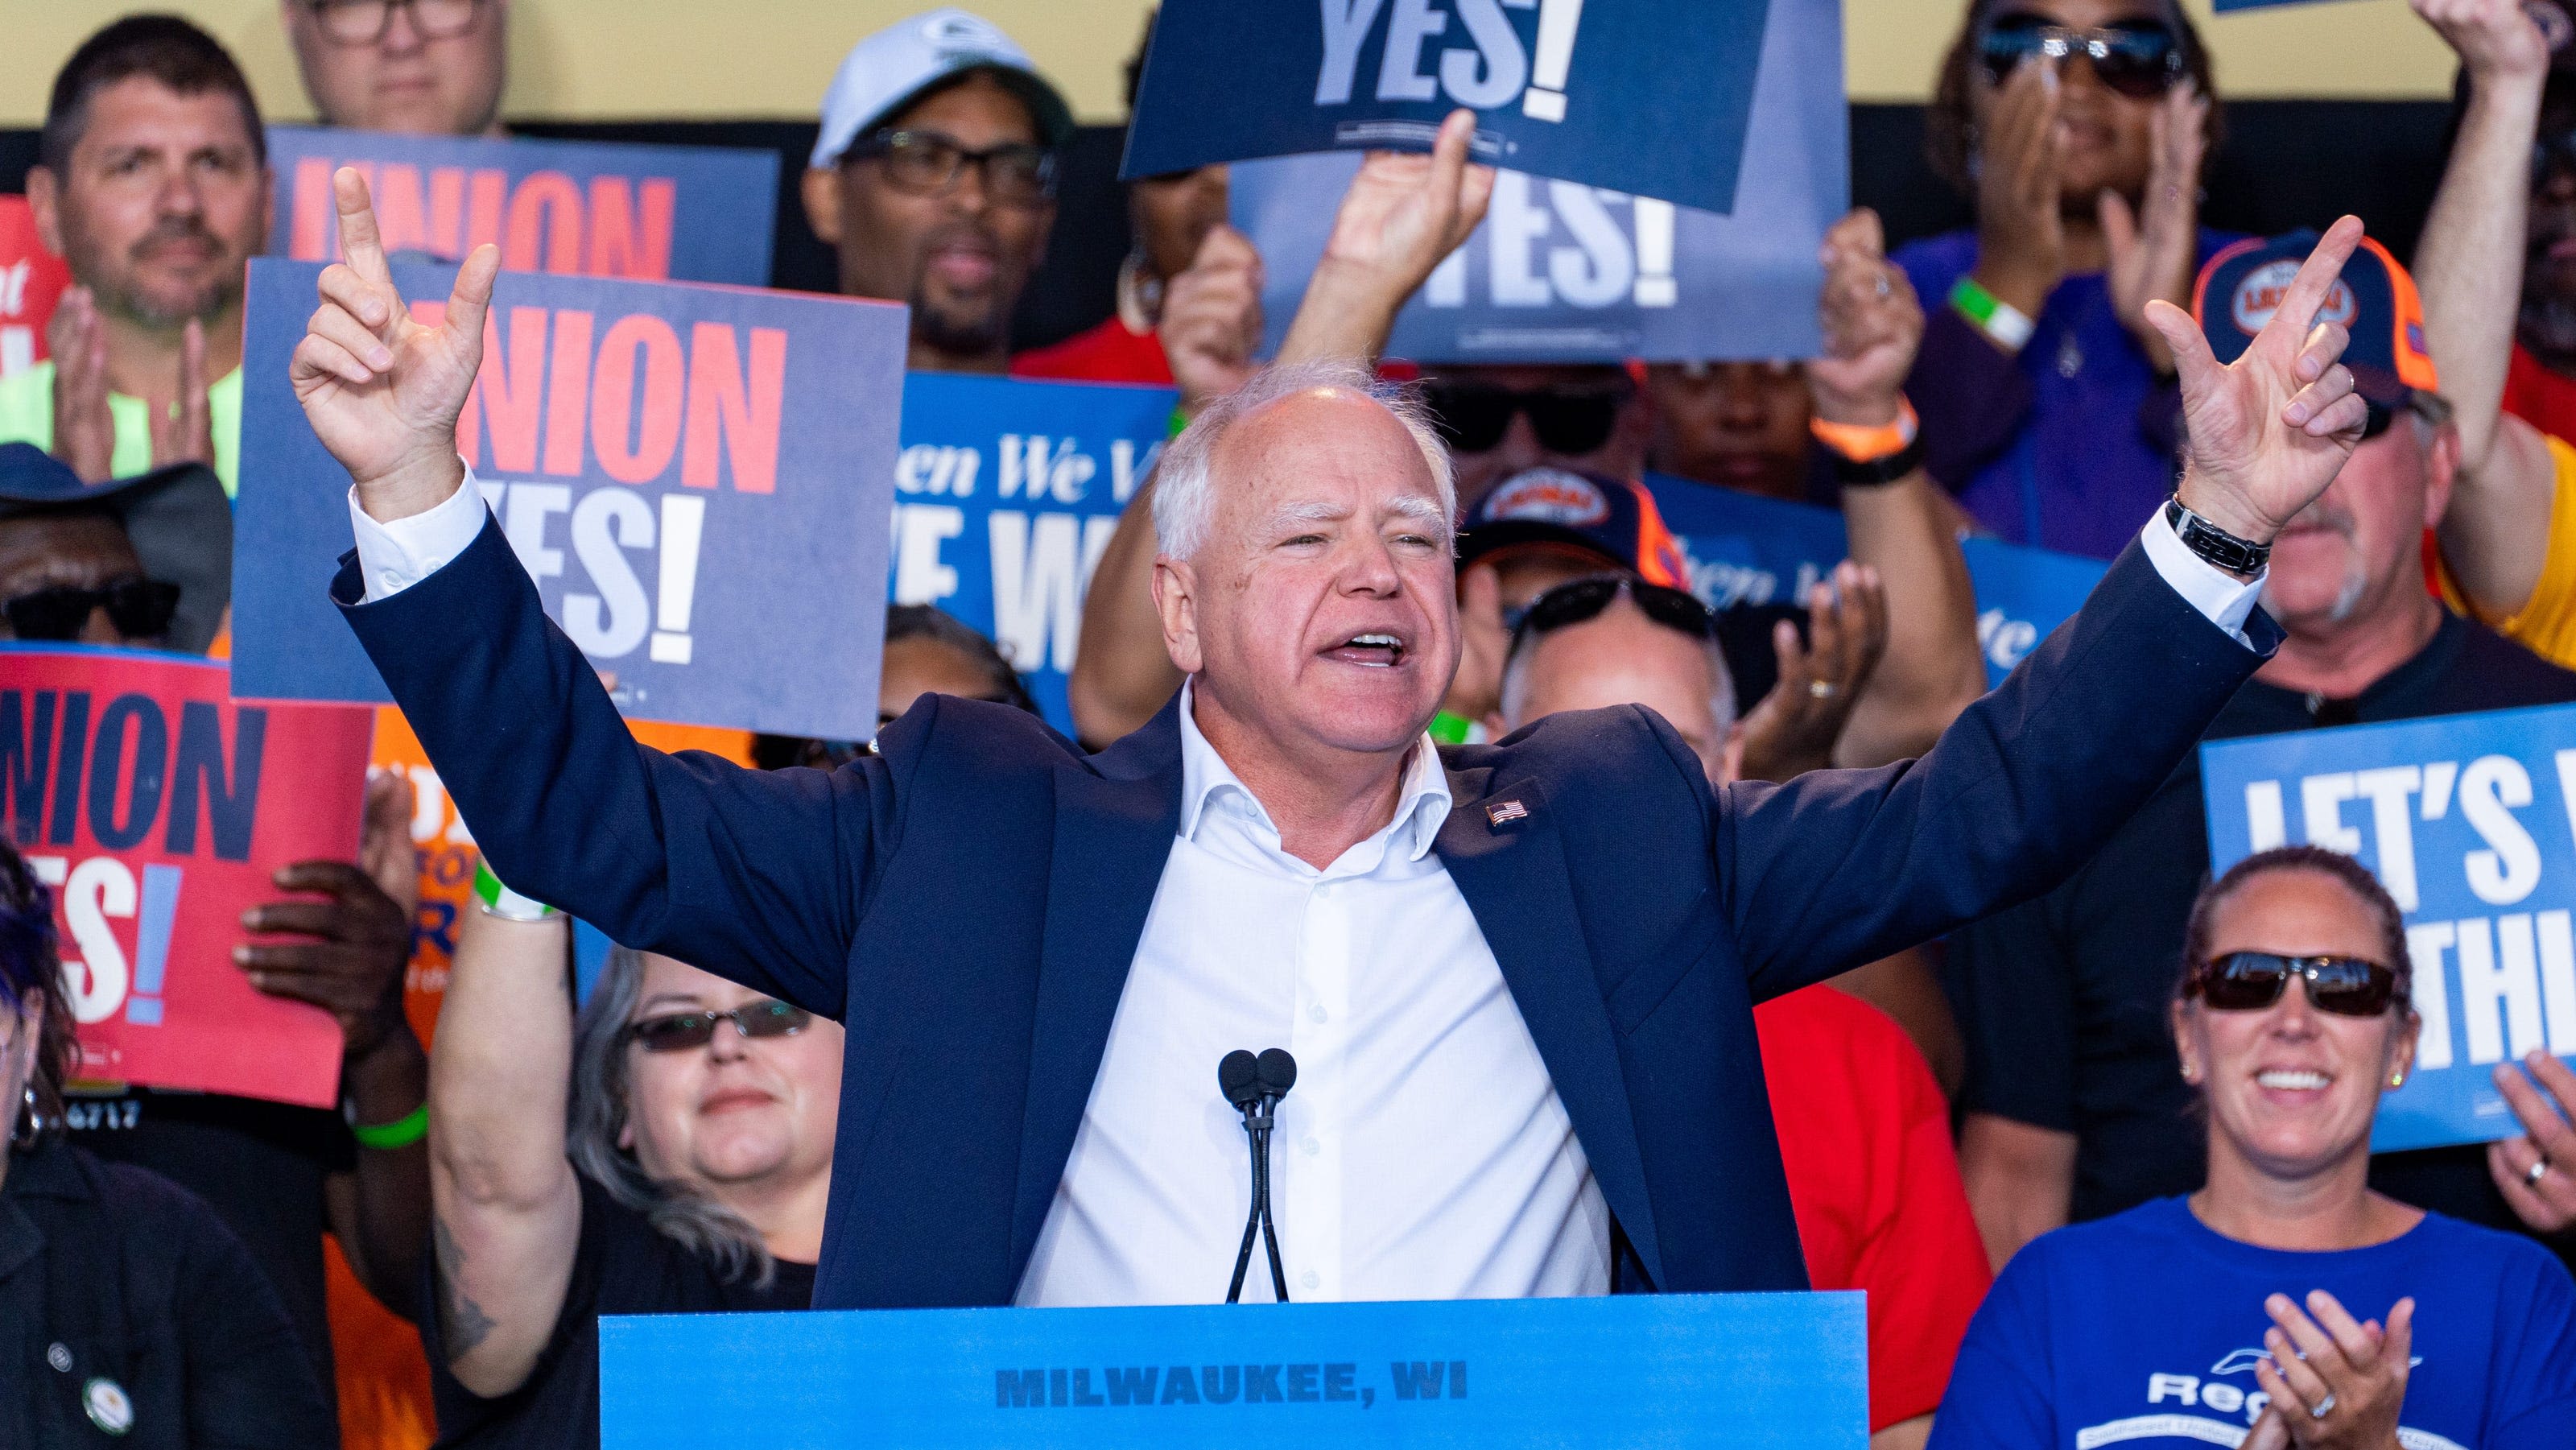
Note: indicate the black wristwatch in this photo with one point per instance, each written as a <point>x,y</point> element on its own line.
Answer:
<point>1887,468</point>
<point>2210,542</point>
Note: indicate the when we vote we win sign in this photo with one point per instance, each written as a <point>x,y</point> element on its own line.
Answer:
<point>2470,822</point>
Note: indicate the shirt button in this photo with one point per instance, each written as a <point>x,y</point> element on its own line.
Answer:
<point>388,580</point>
<point>1315,1013</point>
<point>59,1357</point>
<point>1310,1278</point>
<point>1311,1147</point>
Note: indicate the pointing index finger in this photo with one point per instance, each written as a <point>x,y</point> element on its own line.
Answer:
<point>358,238</point>
<point>2317,276</point>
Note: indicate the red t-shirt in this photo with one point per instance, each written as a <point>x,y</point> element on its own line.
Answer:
<point>1865,1136</point>
<point>2539,397</point>
<point>1108,353</point>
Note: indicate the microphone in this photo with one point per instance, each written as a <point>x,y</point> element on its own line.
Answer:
<point>1254,1085</point>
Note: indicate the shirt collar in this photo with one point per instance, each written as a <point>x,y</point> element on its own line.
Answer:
<point>1421,806</point>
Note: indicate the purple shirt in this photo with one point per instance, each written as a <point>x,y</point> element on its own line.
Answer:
<point>2071,444</point>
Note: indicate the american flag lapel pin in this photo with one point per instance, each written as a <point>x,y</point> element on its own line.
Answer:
<point>1505,812</point>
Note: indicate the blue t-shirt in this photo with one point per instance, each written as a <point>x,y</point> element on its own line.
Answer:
<point>2142,1330</point>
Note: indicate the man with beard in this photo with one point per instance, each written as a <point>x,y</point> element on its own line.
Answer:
<point>933,179</point>
<point>2075,1103</point>
<point>152,182</point>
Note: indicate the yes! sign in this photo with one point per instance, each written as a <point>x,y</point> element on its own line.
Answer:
<point>1563,271</point>
<point>1005,495</point>
<point>698,479</point>
<point>2470,822</point>
<point>646,213</point>
<point>158,810</point>
<point>1647,97</point>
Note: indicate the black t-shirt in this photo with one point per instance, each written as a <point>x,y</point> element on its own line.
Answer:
<point>621,1266</point>
<point>260,1165</point>
<point>2063,1000</point>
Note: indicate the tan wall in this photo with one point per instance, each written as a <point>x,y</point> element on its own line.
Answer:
<point>609,59</point>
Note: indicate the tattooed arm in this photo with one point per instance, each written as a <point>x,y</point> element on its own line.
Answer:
<point>508,1209</point>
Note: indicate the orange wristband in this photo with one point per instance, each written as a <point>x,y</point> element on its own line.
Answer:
<point>1863,444</point>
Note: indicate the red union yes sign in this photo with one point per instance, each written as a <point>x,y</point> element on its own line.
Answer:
<point>157,810</point>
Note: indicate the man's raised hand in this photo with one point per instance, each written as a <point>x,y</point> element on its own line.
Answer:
<point>2270,430</point>
<point>381,389</point>
<point>1402,215</point>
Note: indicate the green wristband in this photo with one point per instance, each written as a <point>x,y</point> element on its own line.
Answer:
<point>499,900</point>
<point>402,1132</point>
<point>2008,325</point>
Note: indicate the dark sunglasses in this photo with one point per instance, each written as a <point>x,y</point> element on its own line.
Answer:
<point>2251,981</point>
<point>687,1031</point>
<point>139,608</point>
<point>1473,418</point>
<point>1578,600</point>
<point>927,163</point>
<point>2141,59</point>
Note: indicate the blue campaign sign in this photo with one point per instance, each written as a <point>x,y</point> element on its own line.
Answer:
<point>2022,594</point>
<point>1742,548</point>
<point>1562,271</point>
<point>645,213</point>
<point>1648,97</point>
<point>1005,494</point>
<point>698,479</point>
<point>1752,1371</point>
<point>2470,822</point>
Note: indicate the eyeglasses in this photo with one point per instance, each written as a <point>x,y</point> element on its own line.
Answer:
<point>688,1031</point>
<point>139,608</point>
<point>364,22</point>
<point>2140,59</point>
<point>2251,981</point>
<point>1578,600</point>
<point>927,163</point>
<point>1472,418</point>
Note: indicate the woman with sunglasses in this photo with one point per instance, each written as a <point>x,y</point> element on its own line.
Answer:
<point>692,1177</point>
<point>2285,1302</point>
<point>2077,128</point>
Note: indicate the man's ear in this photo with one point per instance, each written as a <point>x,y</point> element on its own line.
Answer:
<point>45,199</point>
<point>1176,603</point>
<point>821,187</point>
<point>2441,470</point>
<point>267,208</point>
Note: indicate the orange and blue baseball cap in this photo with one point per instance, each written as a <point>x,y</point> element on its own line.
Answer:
<point>2375,301</point>
<point>1587,514</point>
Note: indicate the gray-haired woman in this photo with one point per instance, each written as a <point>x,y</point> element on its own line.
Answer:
<point>668,1151</point>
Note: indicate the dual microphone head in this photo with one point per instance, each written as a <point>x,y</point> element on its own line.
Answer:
<point>1254,1085</point>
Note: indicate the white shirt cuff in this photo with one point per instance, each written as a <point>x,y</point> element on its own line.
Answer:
<point>394,556</point>
<point>2226,600</point>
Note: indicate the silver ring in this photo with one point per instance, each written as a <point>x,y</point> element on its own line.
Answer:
<point>1823,689</point>
<point>1883,288</point>
<point>2532,1175</point>
<point>2324,1407</point>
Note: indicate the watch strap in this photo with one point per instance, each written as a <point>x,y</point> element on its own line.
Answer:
<point>1872,472</point>
<point>2215,545</point>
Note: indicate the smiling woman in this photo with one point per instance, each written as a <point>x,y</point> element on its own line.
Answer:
<point>2292,1014</point>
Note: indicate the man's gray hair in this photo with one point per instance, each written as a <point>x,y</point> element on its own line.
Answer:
<point>1184,492</point>
<point>600,1083</point>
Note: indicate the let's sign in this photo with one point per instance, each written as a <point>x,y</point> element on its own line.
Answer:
<point>646,213</point>
<point>1646,97</point>
<point>158,811</point>
<point>698,479</point>
<point>2470,822</point>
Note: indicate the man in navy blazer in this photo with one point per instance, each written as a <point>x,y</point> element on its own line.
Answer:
<point>1528,967</point>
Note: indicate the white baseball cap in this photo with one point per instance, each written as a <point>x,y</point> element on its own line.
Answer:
<point>887,71</point>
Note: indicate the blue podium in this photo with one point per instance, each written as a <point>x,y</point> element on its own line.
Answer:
<point>1742,1370</point>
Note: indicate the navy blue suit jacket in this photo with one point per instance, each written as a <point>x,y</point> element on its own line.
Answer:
<point>967,902</point>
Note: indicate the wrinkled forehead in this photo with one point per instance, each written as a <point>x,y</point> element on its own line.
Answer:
<point>1327,450</point>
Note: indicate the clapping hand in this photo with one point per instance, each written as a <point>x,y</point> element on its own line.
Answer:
<point>1211,321</point>
<point>2269,431</point>
<point>1794,728</point>
<point>2335,1384</point>
<point>1402,215</point>
<point>2536,1172</point>
<point>382,389</point>
<point>84,430</point>
<point>1872,324</point>
<point>2154,251</point>
<point>2021,238</point>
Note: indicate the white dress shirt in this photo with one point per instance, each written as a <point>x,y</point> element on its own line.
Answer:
<point>1423,1154</point>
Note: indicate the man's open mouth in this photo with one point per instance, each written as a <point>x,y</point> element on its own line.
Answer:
<point>1382,651</point>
